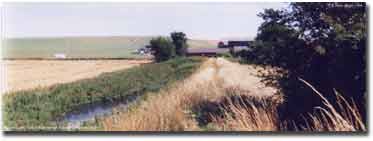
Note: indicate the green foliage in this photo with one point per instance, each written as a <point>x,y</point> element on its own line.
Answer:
<point>323,43</point>
<point>225,55</point>
<point>39,109</point>
<point>180,41</point>
<point>162,49</point>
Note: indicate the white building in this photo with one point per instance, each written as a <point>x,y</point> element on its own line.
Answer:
<point>60,55</point>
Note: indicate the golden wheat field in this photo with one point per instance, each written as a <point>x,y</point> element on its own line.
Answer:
<point>28,74</point>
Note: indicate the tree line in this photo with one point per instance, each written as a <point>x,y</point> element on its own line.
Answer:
<point>164,48</point>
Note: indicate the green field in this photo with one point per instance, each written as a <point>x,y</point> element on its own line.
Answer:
<point>82,47</point>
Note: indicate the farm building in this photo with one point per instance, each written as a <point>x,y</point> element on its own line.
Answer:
<point>231,47</point>
<point>210,52</point>
<point>235,44</point>
<point>143,51</point>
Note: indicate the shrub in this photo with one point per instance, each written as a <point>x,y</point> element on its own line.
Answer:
<point>162,49</point>
<point>180,41</point>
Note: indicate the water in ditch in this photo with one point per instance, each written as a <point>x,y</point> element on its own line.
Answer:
<point>90,112</point>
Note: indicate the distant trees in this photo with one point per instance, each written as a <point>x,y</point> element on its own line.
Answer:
<point>323,43</point>
<point>221,44</point>
<point>180,41</point>
<point>164,48</point>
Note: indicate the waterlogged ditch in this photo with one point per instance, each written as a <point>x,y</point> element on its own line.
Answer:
<point>67,106</point>
<point>93,111</point>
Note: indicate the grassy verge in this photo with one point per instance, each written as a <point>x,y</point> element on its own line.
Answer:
<point>200,104</point>
<point>239,112</point>
<point>39,109</point>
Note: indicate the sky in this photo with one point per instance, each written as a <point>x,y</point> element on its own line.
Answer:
<point>197,20</point>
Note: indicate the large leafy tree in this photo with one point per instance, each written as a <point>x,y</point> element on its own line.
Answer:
<point>323,43</point>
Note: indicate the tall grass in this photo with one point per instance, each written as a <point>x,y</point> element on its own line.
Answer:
<point>209,107</point>
<point>185,106</point>
<point>250,114</point>
<point>241,113</point>
<point>345,116</point>
<point>42,108</point>
<point>170,109</point>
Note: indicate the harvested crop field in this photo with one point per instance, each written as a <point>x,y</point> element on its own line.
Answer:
<point>28,74</point>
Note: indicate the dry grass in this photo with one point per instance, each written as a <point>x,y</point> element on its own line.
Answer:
<point>246,113</point>
<point>166,110</point>
<point>172,108</point>
<point>344,116</point>
<point>262,116</point>
<point>209,101</point>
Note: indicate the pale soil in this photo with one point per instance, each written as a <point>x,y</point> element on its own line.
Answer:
<point>243,77</point>
<point>27,74</point>
<point>169,109</point>
<point>231,75</point>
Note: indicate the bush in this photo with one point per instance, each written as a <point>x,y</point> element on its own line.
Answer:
<point>162,49</point>
<point>180,41</point>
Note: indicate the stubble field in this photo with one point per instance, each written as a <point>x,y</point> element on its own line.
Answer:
<point>28,74</point>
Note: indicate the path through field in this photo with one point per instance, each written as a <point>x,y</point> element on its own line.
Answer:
<point>168,110</point>
<point>231,75</point>
<point>243,77</point>
<point>27,74</point>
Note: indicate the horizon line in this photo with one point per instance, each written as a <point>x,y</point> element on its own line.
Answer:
<point>82,36</point>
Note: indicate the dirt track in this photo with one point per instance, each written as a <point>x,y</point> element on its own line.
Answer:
<point>233,75</point>
<point>27,74</point>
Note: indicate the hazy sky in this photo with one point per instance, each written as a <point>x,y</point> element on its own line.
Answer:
<point>197,20</point>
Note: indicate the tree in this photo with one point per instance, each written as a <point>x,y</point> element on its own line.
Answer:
<point>162,49</point>
<point>221,44</point>
<point>180,41</point>
<point>323,43</point>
